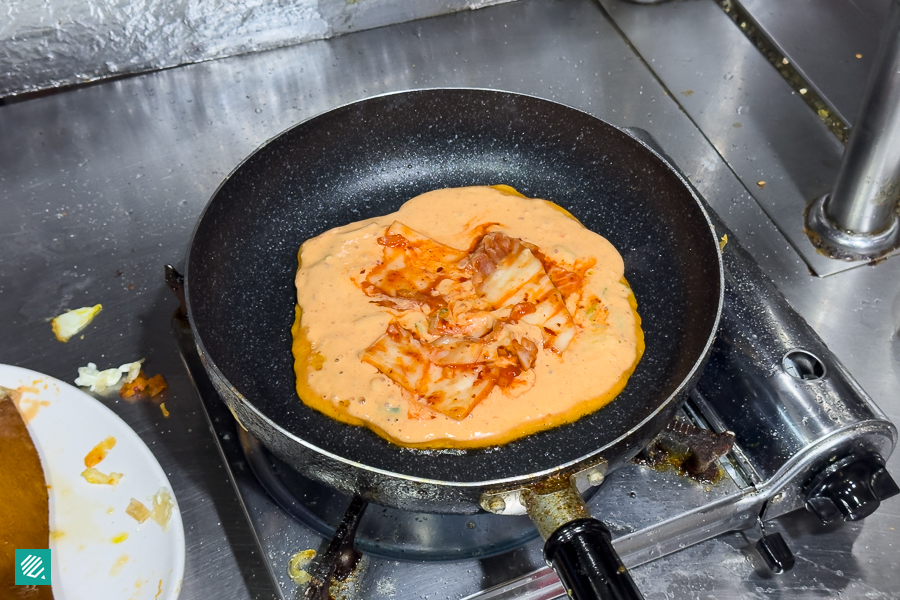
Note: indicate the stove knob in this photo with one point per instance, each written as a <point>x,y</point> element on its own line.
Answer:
<point>852,488</point>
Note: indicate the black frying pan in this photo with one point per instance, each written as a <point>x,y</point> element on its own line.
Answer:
<point>367,158</point>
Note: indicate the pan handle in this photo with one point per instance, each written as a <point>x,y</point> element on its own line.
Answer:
<point>578,546</point>
<point>582,554</point>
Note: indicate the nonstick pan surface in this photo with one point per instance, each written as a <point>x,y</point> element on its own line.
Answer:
<point>367,158</point>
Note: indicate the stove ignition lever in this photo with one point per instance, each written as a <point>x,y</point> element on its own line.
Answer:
<point>772,548</point>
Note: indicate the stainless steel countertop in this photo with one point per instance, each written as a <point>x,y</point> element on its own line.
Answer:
<point>101,186</point>
<point>831,42</point>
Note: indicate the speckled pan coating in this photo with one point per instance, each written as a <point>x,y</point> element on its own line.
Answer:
<point>366,159</point>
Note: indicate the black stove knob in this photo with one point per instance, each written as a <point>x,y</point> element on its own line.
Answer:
<point>852,488</point>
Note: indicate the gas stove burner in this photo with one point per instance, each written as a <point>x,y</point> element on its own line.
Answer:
<point>385,532</point>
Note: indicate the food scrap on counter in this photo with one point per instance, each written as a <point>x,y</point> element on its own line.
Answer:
<point>100,381</point>
<point>153,386</point>
<point>297,565</point>
<point>135,383</point>
<point>71,322</point>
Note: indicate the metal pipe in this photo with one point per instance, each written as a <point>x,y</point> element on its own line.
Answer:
<point>859,218</point>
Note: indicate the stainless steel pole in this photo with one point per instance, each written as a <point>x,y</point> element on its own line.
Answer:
<point>859,218</point>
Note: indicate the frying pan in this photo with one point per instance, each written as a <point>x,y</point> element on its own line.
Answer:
<point>365,159</point>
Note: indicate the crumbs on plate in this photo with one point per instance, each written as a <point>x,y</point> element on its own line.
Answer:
<point>161,505</point>
<point>99,452</point>
<point>92,475</point>
<point>137,511</point>
<point>94,458</point>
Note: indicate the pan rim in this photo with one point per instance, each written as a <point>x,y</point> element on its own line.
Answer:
<point>569,465</point>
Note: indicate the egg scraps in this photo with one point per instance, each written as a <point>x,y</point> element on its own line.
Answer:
<point>470,317</point>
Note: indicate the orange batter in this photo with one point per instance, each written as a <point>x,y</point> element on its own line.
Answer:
<point>468,318</point>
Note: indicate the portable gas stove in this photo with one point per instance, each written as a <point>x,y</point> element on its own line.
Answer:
<point>805,435</point>
<point>103,181</point>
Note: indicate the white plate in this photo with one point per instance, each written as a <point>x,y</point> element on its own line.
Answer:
<point>90,558</point>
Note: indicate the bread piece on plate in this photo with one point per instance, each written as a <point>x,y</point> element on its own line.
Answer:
<point>24,512</point>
